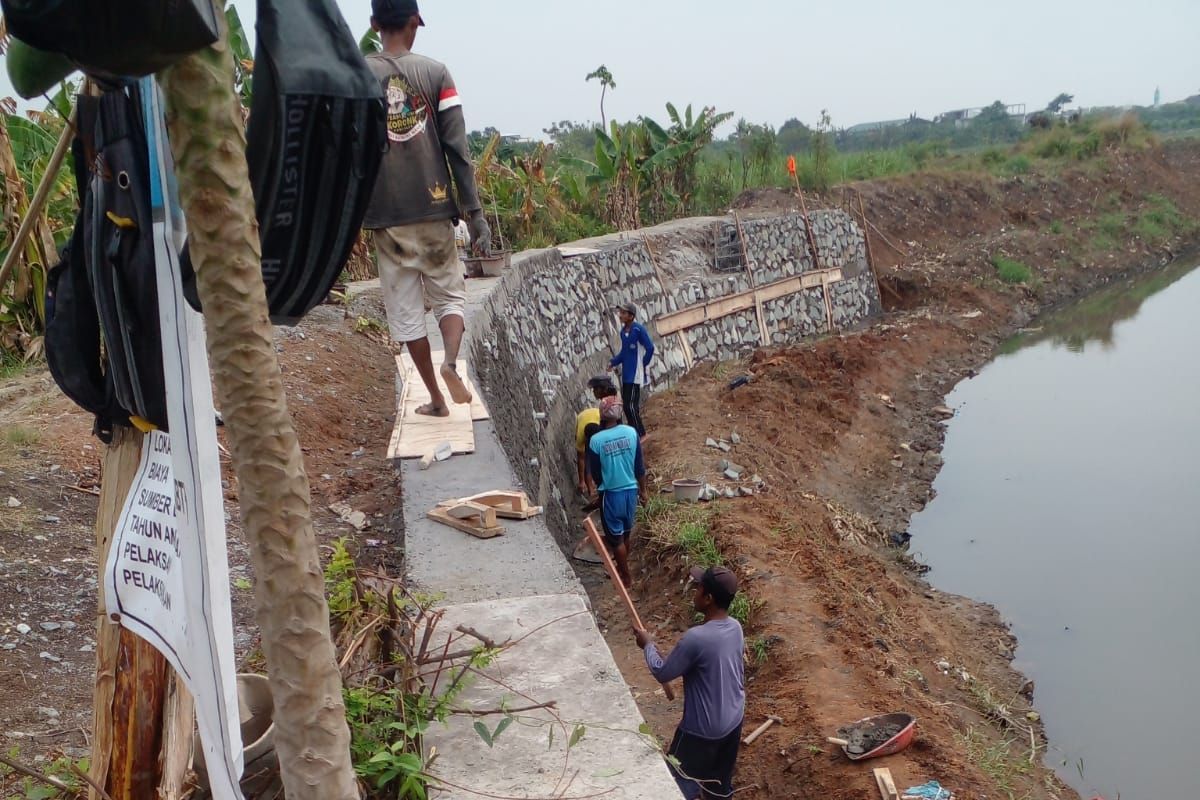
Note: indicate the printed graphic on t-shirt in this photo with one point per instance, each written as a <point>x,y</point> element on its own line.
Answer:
<point>408,113</point>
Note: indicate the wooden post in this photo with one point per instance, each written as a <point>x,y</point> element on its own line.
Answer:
<point>862,210</point>
<point>688,358</point>
<point>119,467</point>
<point>34,212</point>
<point>764,338</point>
<point>133,680</point>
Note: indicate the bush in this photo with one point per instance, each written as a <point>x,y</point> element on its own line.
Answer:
<point>992,157</point>
<point>1088,147</point>
<point>1011,271</point>
<point>1019,165</point>
<point>1055,144</point>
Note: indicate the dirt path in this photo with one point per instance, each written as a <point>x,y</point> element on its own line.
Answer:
<point>341,393</point>
<point>845,436</point>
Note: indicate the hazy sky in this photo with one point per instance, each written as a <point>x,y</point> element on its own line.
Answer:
<point>520,66</point>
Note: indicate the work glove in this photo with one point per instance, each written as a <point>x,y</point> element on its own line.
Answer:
<point>481,234</point>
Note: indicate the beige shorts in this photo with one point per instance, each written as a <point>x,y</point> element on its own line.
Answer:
<point>419,262</point>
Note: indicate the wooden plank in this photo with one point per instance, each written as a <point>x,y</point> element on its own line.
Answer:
<point>828,306</point>
<point>885,784</point>
<point>394,441</point>
<point>764,339</point>
<point>466,526</point>
<point>731,304</point>
<point>507,504</point>
<point>405,365</point>
<point>688,358</point>
<point>475,513</point>
<point>415,435</point>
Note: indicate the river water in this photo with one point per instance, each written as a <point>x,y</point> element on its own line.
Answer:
<point>1070,499</point>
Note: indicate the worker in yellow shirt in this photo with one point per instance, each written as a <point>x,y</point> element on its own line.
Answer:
<point>602,386</point>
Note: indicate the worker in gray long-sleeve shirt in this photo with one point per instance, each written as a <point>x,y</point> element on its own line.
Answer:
<point>709,658</point>
<point>413,209</point>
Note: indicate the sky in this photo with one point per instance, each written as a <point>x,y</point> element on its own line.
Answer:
<point>521,66</point>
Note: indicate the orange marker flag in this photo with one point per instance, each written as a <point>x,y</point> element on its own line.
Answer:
<point>791,162</point>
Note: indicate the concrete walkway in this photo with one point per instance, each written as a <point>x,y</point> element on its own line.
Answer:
<point>513,586</point>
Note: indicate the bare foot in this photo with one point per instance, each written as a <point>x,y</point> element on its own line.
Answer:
<point>431,410</point>
<point>458,390</point>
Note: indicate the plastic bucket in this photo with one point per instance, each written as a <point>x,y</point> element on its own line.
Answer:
<point>687,490</point>
<point>492,266</point>
<point>256,713</point>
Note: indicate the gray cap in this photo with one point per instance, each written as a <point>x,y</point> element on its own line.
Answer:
<point>629,308</point>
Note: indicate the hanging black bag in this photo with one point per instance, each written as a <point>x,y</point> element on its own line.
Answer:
<point>73,351</point>
<point>129,38</point>
<point>120,256</point>
<point>103,343</point>
<point>315,138</point>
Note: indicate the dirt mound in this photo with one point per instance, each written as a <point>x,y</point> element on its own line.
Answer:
<point>340,388</point>
<point>842,440</point>
<point>842,625</point>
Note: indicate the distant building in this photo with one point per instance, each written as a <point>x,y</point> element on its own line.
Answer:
<point>961,117</point>
<point>1157,97</point>
<point>868,127</point>
<point>871,127</point>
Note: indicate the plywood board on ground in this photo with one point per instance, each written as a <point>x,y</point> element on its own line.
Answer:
<point>415,434</point>
<point>405,365</point>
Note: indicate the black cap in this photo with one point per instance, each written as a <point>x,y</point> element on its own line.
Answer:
<point>720,582</point>
<point>395,13</point>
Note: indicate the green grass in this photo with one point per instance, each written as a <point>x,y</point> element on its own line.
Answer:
<point>760,649</point>
<point>743,608</point>
<point>1056,227</point>
<point>11,365</point>
<point>699,547</point>
<point>20,436</point>
<point>1160,220</point>
<point>996,760</point>
<point>1011,271</point>
<point>1111,225</point>
<point>1102,242</point>
<point>1019,165</point>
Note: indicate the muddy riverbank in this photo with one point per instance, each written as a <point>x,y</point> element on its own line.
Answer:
<point>847,435</point>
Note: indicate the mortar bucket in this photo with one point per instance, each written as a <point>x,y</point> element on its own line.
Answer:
<point>687,490</point>
<point>257,718</point>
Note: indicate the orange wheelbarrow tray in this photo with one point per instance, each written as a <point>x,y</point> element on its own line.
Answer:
<point>906,723</point>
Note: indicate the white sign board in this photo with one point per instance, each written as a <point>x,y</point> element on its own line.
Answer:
<point>167,574</point>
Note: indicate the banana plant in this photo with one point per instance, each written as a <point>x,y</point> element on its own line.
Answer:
<point>26,145</point>
<point>243,56</point>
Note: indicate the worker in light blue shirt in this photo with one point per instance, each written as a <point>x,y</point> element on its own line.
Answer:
<point>636,352</point>
<point>615,456</point>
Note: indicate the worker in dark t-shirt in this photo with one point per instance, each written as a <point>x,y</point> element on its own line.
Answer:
<point>709,659</point>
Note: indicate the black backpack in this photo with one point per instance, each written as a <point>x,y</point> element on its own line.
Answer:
<point>103,344</point>
<point>315,138</point>
<point>129,38</point>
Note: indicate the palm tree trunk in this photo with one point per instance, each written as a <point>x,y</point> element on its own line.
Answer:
<point>208,140</point>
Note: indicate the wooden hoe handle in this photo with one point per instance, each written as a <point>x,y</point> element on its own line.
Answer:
<point>611,569</point>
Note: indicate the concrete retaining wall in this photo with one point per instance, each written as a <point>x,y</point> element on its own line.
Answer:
<point>547,326</point>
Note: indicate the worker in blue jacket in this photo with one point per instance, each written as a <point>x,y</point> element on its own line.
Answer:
<point>636,352</point>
